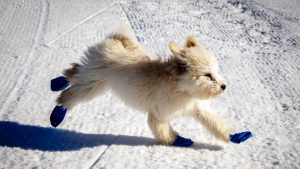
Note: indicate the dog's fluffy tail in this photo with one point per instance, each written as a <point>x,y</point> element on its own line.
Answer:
<point>89,78</point>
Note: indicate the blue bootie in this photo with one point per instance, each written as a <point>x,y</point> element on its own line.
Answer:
<point>59,83</point>
<point>182,142</point>
<point>240,137</point>
<point>57,115</point>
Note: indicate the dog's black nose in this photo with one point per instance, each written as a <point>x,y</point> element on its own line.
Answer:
<point>223,86</point>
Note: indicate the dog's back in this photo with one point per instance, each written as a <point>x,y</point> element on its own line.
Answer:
<point>90,78</point>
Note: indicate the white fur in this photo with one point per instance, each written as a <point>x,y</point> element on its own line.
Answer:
<point>163,89</point>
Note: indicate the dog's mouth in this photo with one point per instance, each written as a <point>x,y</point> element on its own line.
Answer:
<point>210,95</point>
<point>216,93</point>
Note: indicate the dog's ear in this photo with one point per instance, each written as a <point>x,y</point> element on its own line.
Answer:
<point>191,42</point>
<point>174,48</point>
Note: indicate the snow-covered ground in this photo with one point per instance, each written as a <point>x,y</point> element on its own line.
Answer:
<point>256,43</point>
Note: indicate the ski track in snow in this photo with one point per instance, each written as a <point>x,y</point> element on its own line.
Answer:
<point>255,42</point>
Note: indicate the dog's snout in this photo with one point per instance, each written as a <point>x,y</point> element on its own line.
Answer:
<point>223,86</point>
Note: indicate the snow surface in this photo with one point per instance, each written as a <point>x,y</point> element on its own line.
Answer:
<point>256,43</point>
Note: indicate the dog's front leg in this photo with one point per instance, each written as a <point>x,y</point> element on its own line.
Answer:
<point>213,124</point>
<point>161,129</point>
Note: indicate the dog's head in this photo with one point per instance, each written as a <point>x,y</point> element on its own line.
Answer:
<point>197,69</point>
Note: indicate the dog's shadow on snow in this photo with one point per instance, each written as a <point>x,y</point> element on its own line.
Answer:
<point>13,134</point>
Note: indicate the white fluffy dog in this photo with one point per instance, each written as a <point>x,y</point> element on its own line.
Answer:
<point>163,89</point>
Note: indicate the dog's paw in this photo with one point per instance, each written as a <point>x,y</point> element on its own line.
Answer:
<point>59,83</point>
<point>57,115</point>
<point>240,137</point>
<point>182,142</point>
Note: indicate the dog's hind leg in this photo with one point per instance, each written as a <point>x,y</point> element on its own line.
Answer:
<point>79,91</point>
<point>62,82</point>
<point>71,72</point>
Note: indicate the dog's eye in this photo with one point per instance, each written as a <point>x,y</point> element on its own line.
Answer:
<point>208,75</point>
